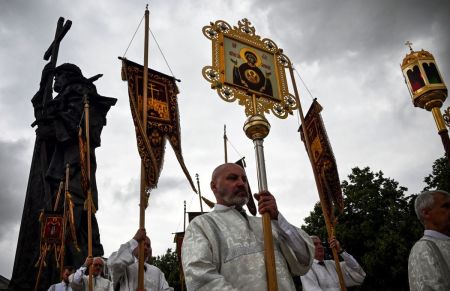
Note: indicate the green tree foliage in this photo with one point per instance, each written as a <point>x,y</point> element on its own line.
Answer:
<point>378,227</point>
<point>169,265</point>
<point>440,176</point>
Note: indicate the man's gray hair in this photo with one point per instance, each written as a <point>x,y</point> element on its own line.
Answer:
<point>425,200</point>
<point>99,258</point>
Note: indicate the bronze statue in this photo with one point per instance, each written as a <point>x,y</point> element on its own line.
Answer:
<point>58,122</point>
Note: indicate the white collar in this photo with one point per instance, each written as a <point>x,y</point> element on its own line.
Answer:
<point>218,206</point>
<point>436,234</point>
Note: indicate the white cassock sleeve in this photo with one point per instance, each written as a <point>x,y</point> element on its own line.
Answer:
<point>76,279</point>
<point>353,273</point>
<point>298,248</point>
<point>120,260</point>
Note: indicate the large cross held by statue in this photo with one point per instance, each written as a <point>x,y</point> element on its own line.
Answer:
<point>52,52</point>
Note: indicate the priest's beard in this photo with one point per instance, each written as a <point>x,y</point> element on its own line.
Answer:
<point>234,198</point>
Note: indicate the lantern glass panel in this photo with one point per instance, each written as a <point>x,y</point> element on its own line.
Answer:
<point>432,73</point>
<point>415,78</point>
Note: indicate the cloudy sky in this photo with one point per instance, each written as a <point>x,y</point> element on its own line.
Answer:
<point>347,52</point>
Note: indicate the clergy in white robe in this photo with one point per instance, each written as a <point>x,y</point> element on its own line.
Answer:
<point>323,275</point>
<point>123,267</point>
<point>80,280</point>
<point>429,260</point>
<point>224,249</point>
<point>64,285</point>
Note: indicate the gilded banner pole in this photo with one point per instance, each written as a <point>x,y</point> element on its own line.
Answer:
<point>199,192</point>
<point>89,193</point>
<point>144,187</point>
<point>329,224</point>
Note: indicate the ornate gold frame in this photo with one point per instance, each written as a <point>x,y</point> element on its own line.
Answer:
<point>280,103</point>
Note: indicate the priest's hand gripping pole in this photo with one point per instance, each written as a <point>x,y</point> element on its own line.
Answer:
<point>144,186</point>
<point>329,224</point>
<point>256,127</point>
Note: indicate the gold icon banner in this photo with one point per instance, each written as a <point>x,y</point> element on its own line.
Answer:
<point>323,159</point>
<point>162,118</point>
<point>248,69</point>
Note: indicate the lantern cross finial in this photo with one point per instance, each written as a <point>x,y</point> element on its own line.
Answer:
<point>408,43</point>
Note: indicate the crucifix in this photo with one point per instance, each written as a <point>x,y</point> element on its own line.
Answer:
<point>409,44</point>
<point>52,54</point>
<point>152,88</point>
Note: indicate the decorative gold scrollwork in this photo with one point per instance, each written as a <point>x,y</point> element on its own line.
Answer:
<point>227,94</point>
<point>245,26</point>
<point>284,60</point>
<point>211,75</point>
<point>212,31</point>
<point>282,111</point>
<point>248,69</point>
<point>222,26</point>
<point>270,45</point>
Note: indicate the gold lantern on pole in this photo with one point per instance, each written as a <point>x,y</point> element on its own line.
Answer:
<point>427,88</point>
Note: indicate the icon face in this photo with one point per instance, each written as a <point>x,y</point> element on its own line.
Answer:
<point>250,68</point>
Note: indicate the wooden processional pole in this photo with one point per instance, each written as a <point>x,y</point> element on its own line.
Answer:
<point>89,193</point>
<point>328,223</point>
<point>144,186</point>
<point>225,139</point>
<point>199,192</point>
<point>256,127</point>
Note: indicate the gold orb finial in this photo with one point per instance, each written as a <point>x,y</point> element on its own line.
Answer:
<point>256,127</point>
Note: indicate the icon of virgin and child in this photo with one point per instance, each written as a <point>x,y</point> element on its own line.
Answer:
<point>249,73</point>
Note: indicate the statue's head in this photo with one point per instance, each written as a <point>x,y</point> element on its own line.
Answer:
<point>66,74</point>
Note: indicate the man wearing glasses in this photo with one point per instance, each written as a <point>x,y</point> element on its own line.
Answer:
<point>79,281</point>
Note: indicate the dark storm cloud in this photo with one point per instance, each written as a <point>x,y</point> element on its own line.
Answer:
<point>21,52</point>
<point>326,29</point>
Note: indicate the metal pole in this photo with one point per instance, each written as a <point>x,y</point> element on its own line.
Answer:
<point>442,130</point>
<point>257,128</point>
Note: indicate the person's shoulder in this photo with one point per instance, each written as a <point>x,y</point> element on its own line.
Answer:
<point>104,279</point>
<point>152,268</point>
<point>423,242</point>
<point>201,218</point>
<point>420,249</point>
